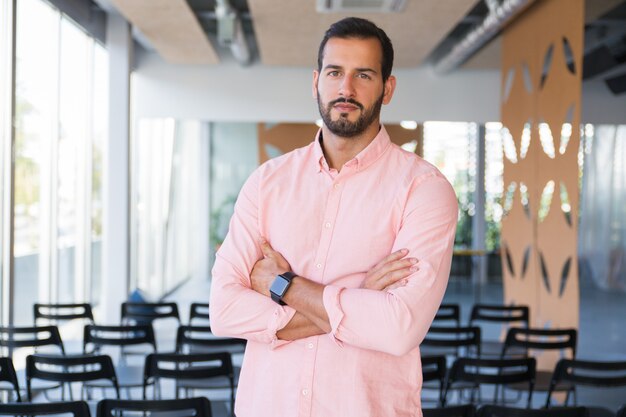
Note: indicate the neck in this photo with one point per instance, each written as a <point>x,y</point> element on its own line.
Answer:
<point>338,149</point>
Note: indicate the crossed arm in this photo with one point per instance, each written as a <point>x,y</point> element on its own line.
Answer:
<point>306,296</point>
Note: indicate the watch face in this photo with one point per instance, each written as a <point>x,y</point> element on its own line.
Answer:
<point>279,286</point>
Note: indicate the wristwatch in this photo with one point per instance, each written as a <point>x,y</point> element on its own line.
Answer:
<point>280,286</point>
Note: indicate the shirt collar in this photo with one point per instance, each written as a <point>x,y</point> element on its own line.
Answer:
<point>364,158</point>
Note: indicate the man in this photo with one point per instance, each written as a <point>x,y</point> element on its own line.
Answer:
<point>338,254</point>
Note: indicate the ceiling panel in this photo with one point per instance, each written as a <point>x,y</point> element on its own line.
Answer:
<point>172,28</point>
<point>289,32</point>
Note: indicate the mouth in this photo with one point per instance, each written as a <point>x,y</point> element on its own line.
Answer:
<point>345,107</point>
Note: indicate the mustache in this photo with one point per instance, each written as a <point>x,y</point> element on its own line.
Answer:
<point>346,100</point>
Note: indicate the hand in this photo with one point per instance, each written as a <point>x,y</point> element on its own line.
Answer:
<point>265,270</point>
<point>391,272</point>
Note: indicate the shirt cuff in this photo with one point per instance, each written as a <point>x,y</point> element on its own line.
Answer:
<point>331,299</point>
<point>278,320</point>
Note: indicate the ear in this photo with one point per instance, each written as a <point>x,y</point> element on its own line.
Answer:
<point>389,88</point>
<point>316,76</point>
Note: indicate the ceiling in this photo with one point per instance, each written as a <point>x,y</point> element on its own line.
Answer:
<point>287,32</point>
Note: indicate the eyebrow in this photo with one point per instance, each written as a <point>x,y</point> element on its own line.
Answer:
<point>338,67</point>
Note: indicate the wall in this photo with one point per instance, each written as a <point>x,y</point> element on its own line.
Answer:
<point>278,94</point>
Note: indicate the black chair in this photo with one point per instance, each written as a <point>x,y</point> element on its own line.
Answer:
<point>196,407</point>
<point>467,410</point>
<point>599,374</point>
<point>621,412</point>
<point>199,311</point>
<point>8,375</point>
<point>75,408</point>
<point>530,339</point>
<point>68,369</point>
<point>204,371</point>
<point>496,372</point>
<point>508,316</point>
<point>501,411</point>
<point>449,313</point>
<point>57,313</point>
<point>452,341</point>
<point>146,313</point>
<point>200,339</point>
<point>37,338</point>
<point>434,369</point>
<point>96,337</point>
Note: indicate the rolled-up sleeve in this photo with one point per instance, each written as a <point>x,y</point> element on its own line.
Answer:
<point>396,321</point>
<point>236,310</point>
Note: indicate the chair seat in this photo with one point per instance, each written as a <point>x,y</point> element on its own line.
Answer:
<point>542,383</point>
<point>128,376</point>
<point>209,383</point>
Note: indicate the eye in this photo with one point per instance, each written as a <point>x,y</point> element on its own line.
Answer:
<point>333,73</point>
<point>364,76</point>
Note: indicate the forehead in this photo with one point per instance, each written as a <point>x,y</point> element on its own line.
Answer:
<point>353,52</point>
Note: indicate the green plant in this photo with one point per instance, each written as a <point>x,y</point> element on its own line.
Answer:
<point>220,218</point>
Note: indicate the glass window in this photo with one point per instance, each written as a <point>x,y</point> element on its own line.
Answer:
<point>100,133</point>
<point>36,119</point>
<point>73,134</point>
<point>494,170</point>
<point>451,147</point>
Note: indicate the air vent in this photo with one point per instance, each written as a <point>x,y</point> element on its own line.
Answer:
<point>360,6</point>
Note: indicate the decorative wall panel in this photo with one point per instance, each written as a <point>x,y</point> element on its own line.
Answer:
<point>541,94</point>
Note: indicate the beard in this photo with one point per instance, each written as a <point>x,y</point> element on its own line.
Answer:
<point>343,127</point>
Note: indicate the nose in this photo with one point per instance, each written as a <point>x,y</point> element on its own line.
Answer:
<point>346,89</point>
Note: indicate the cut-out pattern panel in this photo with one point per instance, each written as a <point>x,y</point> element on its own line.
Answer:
<point>542,114</point>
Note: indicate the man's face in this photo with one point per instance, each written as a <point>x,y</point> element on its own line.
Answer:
<point>349,88</point>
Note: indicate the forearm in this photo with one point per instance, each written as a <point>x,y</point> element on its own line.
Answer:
<point>299,327</point>
<point>306,297</point>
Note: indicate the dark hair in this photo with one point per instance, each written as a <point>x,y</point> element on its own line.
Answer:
<point>355,27</point>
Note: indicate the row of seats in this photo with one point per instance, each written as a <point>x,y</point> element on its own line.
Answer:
<point>197,407</point>
<point>200,407</point>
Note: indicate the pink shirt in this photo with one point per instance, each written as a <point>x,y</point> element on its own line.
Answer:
<point>332,228</point>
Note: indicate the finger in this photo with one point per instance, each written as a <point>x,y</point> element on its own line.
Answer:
<point>397,284</point>
<point>394,266</point>
<point>396,276</point>
<point>266,248</point>
<point>399,254</point>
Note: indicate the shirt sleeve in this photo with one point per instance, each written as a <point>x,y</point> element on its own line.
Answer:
<point>236,310</point>
<point>396,321</point>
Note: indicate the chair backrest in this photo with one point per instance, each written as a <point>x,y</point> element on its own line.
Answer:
<point>55,313</point>
<point>75,408</point>
<point>434,369</point>
<point>197,407</point>
<point>7,374</point>
<point>621,412</point>
<point>587,373</point>
<point>468,410</point>
<point>449,312</point>
<point>497,372</point>
<point>499,411</point>
<point>200,339</point>
<point>198,311</point>
<point>451,339</point>
<point>18,337</point>
<point>144,313</point>
<point>98,336</point>
<point>187,366</point>
<point>519,315</point>
<point>68,369</point>
<point>541,339</point>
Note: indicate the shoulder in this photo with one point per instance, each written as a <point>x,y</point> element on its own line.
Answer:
<point>414,169</point>
<point>290,162</point>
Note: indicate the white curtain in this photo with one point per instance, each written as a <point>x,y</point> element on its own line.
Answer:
<point>602,233</point>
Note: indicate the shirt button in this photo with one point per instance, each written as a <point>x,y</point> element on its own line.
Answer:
<point>318,266</point>
<point>336,186</point>
<point>310,345</point>
<point>327,225</point>
<point>305,392</point>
